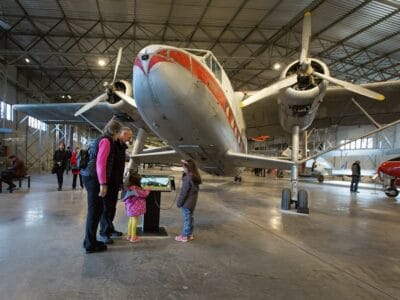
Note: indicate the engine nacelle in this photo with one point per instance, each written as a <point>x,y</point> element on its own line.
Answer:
<point>299,103</point>
<point>117,103</point>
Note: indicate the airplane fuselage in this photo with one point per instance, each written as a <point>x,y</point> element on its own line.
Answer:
<point>187,100</point>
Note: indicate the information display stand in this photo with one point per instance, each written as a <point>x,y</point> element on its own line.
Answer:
<point>151,220</point>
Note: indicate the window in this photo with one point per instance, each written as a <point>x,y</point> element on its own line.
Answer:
<point>213,65</point>
<point>35,123</point>
<point>370,143</point>
<point>9,114</point>
<point>6,111</point>
<point>364,143</point>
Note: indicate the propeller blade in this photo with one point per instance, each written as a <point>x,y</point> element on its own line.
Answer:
<point>352,87</point>
<point>117,63</point>
<point>126,98</point>
<point>91,104</point>
<point>305,38</point>
<point>270,90</point>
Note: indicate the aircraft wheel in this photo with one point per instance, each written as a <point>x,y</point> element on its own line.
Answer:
<point>286,199</point>
<point>391,192</point>
<point>279,174</point>
<point>239,178</point>
<point>302,202</point>
<point>321,178</point>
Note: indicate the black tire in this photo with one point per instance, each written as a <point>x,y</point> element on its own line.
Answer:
<point>286,199</point>
<point>240,178</point>
<point>391,192</point>
<point>302,202</point>
<point>279,174</point>
<point>321,178</point>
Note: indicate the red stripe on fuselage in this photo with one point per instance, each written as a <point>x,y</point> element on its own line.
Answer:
<point>203,74</point>
<point>138,63</point>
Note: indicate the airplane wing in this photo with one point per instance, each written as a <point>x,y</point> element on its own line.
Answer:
<point>157,149</point>
<point>338,109</point>
<point>262,117</point>
<point>63,113</point>
<point>255,161</point>
<point>347,172</point>
<point>160,157</point>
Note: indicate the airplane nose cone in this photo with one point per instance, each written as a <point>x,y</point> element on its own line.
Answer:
<point>141,62</point>
<point>150,56</point>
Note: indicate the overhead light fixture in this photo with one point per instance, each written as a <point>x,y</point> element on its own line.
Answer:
<point>101,62</point>
<point>63,96</point>
<point>69,97</point>
<point>277,66</point>
<point>27,60</point>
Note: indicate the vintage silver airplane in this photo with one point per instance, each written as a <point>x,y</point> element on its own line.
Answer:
<point>186,99</point>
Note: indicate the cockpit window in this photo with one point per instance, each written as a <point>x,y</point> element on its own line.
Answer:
<point>209,60</point>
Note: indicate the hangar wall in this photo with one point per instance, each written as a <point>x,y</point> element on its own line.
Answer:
<point>19,136</point>
<point>382,146</point>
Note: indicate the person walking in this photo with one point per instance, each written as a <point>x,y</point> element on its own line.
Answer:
<point>75,157</point>
<point>96,177</point>
<point>60,162</point>
<point>355,176</point>
<point>68,164</point>
<point>107,229</point>
<point>187,198</point>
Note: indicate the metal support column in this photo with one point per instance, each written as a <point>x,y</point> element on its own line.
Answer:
<point>295,152</point>
<point>137,148</point>
<point>305,149</point>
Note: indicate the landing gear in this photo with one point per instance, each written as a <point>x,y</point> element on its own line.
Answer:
<point>286,199</point>
<point>302,202</point>
<point>320,178</point>
<point>391,192</point>
<point>289,196</point>
<point>238,178</point>
<point>133,165</point>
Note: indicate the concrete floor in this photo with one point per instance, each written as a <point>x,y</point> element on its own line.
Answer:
<point>245,248</point>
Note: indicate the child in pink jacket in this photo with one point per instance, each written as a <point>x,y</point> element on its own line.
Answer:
<point>135,205</point>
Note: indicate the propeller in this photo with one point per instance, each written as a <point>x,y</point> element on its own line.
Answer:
<point>351,87</point>
<point>305,40</point>
<point>91,104</point>
<point>126,98</point>
<point>270,90</point>
<point>305,73</point>
<point>118,61</point>
<point>110,89</point>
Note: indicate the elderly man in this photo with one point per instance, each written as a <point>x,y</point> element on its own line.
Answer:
<point>16,169</point>
<point>110,200</point>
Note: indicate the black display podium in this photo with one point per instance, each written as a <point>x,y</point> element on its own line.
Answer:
<point>151,220</point>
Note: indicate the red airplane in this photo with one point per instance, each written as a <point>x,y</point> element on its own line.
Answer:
<point>389,174</point>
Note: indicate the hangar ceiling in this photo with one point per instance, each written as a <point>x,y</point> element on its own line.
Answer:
<point>63,39</point>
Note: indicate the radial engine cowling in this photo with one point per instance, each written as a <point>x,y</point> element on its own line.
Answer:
<point>116,102</point>
<point>299,103</point>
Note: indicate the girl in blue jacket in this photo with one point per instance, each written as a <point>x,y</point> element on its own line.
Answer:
<point>187,198</point>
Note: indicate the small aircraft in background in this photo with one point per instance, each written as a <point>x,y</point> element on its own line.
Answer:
<point>389,174</point>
